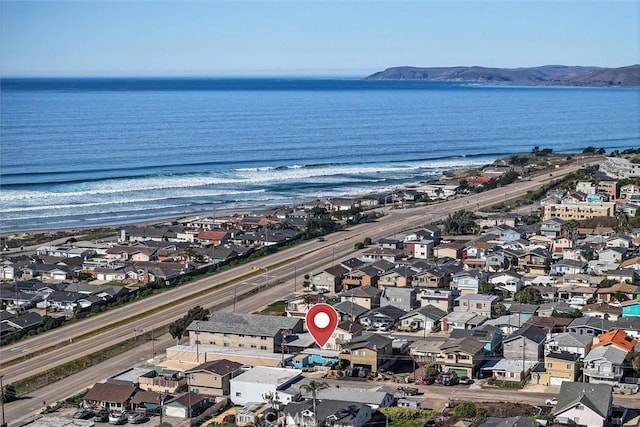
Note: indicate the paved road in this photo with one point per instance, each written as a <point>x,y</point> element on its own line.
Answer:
<point>119,324</point>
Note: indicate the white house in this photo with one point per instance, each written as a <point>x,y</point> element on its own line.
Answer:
<point>584,404</point>
<point>258,381</point>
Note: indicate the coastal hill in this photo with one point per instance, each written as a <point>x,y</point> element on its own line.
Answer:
<point>547,75</point>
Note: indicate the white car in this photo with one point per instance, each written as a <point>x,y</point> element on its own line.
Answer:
<point>552,401</point>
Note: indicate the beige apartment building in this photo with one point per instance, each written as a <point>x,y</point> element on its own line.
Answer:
<point>578,211</point>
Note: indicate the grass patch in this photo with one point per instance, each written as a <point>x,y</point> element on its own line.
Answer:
<point>275,307</point>
<point>406,423</point>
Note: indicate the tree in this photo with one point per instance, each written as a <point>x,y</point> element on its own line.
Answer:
<point>466,410</point>
<point>312,388</point>
<point>486,288</point>
<point>622,222</point>
<point>501,309</point>
<point>430,370</point>
<point>460,222</point>
<point>9,393</point>
<point>528,295</point>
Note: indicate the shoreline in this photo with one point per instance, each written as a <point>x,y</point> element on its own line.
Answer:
<point>68,232</point>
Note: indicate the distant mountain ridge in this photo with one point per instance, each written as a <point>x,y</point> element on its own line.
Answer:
<point>547,75</point>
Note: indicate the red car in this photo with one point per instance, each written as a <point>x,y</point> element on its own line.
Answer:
<point>427,381</point>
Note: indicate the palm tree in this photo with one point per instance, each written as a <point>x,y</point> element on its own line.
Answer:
<point>312,388</point>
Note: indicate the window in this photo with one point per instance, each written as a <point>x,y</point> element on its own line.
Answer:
<point>253,346</point>
<point>549,365</point>
<point>241,345</point>
<point>263,347</point>
<point>263,338</point>
<point>579,407</point>
<point>226,344</point>
<point>238,394</point>
<point>568,365</point>
<point>479,306</point>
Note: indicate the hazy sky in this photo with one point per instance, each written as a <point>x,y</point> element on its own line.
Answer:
<point>302,37</point>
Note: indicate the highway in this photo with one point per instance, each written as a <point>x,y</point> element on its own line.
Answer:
<point>277,271</point>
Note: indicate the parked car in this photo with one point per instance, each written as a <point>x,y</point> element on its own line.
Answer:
<point>465,380</point>
<point>83,414</point>
<point>117,418</point>
<point>450,380</point>
<point>427,380</point>
<point>101,417</point>
<point>138,418</point>
<point>553,401</point>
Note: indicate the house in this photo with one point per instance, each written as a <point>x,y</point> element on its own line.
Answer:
<point>568,342</point>
<point>348,310</point>
<point>375,398</point>
<point>559,367</point>
<point>403,298</point>
<point>253,384</point>
<point>526,343</point>
<point>508,323</point>
<point>365,276</point>
<point>552,227</point>
<point>602,311</point>
<point>551,324</point>
<point>449,250</point>
<point>243,331</point>
<point>584,404</point>
<point>19,323</point>
<point>437,277</point>
<point>525,311</point>
<point>378,253</point>
<point>299,307</point>
<point>511,370</point>
<point>509,281</point>
<point>419,249</point>
<point>111,397</point>
<point>426,318</point>
<point>441,298</point>
<point>576,295</point>
<point>615,338</point>
<point>461,320</point>
<point>467,282</point>
<point>212,378</point>
<point>568,266</point>
<point>623,275</point>
<point>329,279</point>
<point>186,405</point>
<point>382,317</point>
<point>618,293</point>
<point>604,365</point>
<point>427,349</point>
<point>343,334</point>
<point>590,326</point>
<point>369,351</point>
<point>490,336</point>
<point>336,413</point>
<point>461,355</point>
<point>479,304</point>
<point>365,296</point>
<point>535,261</point>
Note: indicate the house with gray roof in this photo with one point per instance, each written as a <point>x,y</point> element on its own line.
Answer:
<point>479,304</point>
<point>365,296</point>
<point>336,413</point>
<point>381,317</point>
<point>590,326</point>
<point>426,318</point>
<point>584,404</point>
<point>258,333</point>
<point>404,298</point>
<point>508,323</point>
<point>526,343</point>
<point>348,310</point>
<point>570,342</point>
<point>518,421</point>
<point>490,336</point>
<point>604,364</point>
<point>370,351</point>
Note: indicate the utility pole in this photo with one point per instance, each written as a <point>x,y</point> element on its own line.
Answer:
<point>4,424</point>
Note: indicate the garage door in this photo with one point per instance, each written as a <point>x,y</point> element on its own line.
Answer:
<point>557,380</point>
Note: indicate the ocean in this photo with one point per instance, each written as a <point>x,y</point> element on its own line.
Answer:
<point>94,152</point>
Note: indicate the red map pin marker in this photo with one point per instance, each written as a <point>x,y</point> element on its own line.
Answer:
<point>322,320</point>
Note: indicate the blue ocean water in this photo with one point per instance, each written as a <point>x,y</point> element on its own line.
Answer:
<point>88,152</point>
